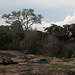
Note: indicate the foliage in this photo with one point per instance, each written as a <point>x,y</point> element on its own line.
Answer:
<point>5,37</point>
<point>55,41</point>
<point>49,29</point>
<point>35,42</point>
<point>31,42</point>
<point>4,56</point>
<point>3,70</point>
<point>52,47</point>
<point>68,59</point>
<point>25,18</point>
<point>10,38</point>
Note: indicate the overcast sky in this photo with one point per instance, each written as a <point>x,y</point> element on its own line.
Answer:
<point>54,11</point>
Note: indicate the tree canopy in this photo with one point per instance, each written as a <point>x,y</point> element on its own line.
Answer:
<point>25,18</point>
<point>49,29</point>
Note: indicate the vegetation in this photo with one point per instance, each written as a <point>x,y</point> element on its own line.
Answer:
<point>62,66</point>
<point>6,57</point>
<point>3,70</point>
<point>55,41</point>
<point>25,18</point>
<point>49,29</point>
<point>68,59</point>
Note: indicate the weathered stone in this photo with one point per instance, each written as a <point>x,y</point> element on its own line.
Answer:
<point>6,61</point>
<point>35,65</point>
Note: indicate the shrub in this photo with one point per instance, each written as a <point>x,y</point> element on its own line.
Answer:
<point>3,70</point>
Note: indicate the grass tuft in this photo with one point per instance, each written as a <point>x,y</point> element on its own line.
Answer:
<point>62,66</point>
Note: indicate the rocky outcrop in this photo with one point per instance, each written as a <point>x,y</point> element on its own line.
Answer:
<point>34,65</point>
<point>6,61</point>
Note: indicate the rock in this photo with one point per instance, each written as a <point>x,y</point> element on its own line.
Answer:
<point>7,61</point>
<point>18,60</point>
<point>33,65</point>
<point>38,60</point>
<point>31,56</point>
<point>43,60</point>
<point>7,54</point>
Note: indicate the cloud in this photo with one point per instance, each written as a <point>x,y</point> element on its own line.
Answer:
<point>68,20</point>
<point>2,22</point>
<point>41,26</point>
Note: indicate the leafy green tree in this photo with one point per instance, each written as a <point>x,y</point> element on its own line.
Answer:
<point>25,18</point>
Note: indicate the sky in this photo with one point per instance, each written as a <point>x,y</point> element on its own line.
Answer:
<point>59,12</point>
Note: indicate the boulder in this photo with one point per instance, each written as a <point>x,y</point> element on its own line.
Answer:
<point>6,61</point>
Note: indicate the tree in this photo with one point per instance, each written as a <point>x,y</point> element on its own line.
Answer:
<point>25,18</point>
<point>49,29</point>
<point>31,41</point>
<point>52,46</point>
<point>5,37</point>
<point>10,38</point>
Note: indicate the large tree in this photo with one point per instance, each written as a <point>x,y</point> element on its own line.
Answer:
<point>25,18</point>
